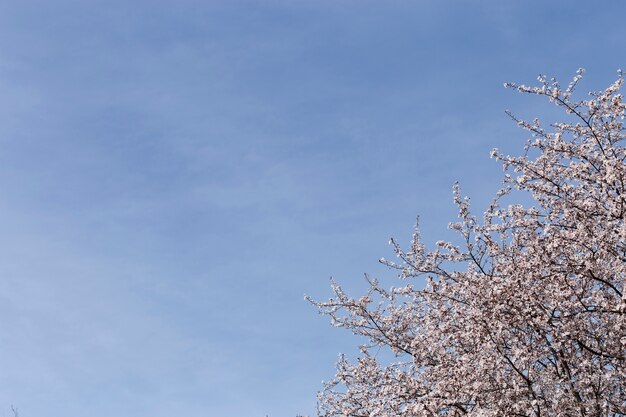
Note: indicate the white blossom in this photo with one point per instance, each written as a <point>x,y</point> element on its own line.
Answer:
<point>527,317</point>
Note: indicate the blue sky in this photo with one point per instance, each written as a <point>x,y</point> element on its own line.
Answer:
<point>175,176</point>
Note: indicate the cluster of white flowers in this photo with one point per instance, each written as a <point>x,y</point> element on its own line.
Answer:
<point>527,317</point>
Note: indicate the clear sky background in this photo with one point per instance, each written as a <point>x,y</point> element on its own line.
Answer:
<point>176,175</point>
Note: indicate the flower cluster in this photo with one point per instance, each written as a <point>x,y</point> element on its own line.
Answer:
<point>527,315</point>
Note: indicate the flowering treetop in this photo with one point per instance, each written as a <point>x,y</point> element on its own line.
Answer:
<point>527,316</point>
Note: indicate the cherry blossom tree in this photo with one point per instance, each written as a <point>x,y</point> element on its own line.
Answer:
<point>524,315</point>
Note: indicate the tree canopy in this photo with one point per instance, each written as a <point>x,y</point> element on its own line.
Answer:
<point>525,315</point>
